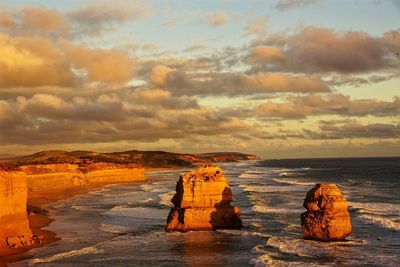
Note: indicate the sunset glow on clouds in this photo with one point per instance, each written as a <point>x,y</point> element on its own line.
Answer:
<point>276,78</point>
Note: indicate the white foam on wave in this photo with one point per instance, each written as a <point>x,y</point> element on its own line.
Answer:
<point>293,182</point>
<point>262,208</point>
<point>383,214</point>
<point>112,228</point>
<point>301,247</point>
<point>252,175</point>
<point>138,212</point>
<point>242,233</point>
<point>147,200</point>
<point>69,254</point>
<point>268,258</point>
<point>165,199</point>
<point>270,188</point>
<point>377,208</point>
<point>310,248</point>
<point>387,223</point>
<point>152,188</point>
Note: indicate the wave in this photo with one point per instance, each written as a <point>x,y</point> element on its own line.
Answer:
<point>251,175</point>
<point>268,258</point>
<point>242,233</point>
<point>138,212</point>
<point>387,223</point>
<point>69,254</point>
<point>270,188</point>
<point>384,214</point>
<point>147,200</point>
<point>377,208</point>
<point>152,188</point>
<point>165,199</point>
<point>268,209</point>
<point>291,182</point>
<point>112,228</point>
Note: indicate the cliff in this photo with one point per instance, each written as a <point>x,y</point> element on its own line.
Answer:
<point>14,230</point>
<point>62,176</point>
<point>327,217</point>
<point>202,202</point>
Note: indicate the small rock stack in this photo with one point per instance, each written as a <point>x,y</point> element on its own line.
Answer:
<point>327,217</point>
<point>202,203</point>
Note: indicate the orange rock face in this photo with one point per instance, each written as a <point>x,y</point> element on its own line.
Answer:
<point>14,225</point>
<point>202,202</point>
<point>49,177</point>
<point>327,217</point>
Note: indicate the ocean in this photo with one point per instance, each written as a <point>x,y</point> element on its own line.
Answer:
<point>123,225</point>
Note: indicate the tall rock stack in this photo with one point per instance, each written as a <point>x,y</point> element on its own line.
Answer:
<point>327,217</point>
<point>202,202</point>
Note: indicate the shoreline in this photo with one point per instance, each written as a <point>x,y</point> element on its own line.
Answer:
<point>38,221</point>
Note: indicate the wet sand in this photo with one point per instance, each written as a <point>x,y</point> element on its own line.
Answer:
<point>39,221</point>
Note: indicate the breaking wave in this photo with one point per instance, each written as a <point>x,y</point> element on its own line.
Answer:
<point>69,254</point>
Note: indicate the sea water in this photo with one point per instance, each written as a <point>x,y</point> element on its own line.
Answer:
<point>123,225</point>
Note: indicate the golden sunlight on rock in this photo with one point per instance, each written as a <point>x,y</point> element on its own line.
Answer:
<point>202,202</point>
<point>14,231</point>
<point>326,217</point>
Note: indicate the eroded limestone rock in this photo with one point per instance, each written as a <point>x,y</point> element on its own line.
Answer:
<point>13,215</point>
<point>327,217</point>
<point>202,202</point>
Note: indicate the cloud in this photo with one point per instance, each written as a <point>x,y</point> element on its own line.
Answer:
<point>6,21</point>
<point>90,20</point>
<point>217,19</point>
<point>196,47</point>
<point>98,18</point>
<point>140,115</point>
<point>333,130</point>
<point>332,104</point>
<point>41,19</point>
<point>319,50</point>
<point>109,66</point>
<point>283,5</point>
<point>32,61</point>
<point>230,84</point>
<point>256,27</point>
<point>265,54</point>
<point>38,61</point>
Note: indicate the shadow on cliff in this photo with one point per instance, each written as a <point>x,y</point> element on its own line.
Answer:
<point>226,216</point>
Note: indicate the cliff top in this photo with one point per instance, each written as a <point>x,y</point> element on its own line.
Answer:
<point>135,158</point>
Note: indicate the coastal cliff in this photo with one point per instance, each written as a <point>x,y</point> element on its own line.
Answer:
<point>61,176</point>
<point>14,230</point>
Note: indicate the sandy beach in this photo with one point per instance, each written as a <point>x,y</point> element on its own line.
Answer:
<point>38,221</point>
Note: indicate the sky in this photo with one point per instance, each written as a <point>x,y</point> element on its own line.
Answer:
<point>278,78</point>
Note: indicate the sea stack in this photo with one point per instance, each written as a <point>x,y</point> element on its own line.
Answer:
<point>202,203</point>
<point>327,217</point>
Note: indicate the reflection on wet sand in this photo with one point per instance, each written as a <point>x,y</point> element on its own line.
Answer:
<point>203,248</point>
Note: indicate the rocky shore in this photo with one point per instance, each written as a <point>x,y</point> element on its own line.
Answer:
<point>48,176</point>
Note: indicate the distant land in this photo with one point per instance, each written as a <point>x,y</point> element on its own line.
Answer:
<point>144,159</point>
